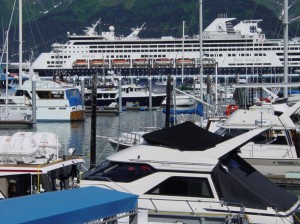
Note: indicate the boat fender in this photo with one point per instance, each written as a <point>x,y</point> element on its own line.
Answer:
<point>230,109</point>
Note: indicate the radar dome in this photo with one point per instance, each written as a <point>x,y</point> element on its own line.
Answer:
<point>258,30</point>
<point>111,29</point>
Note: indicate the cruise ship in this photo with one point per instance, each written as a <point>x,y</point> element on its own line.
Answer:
<point>234,49</point>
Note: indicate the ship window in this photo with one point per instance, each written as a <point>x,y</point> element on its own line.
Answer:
<point>22,93</point>
<point>57,95</point>
<point>183,187</point>
<point>118,172</point>
<point>44,94</point>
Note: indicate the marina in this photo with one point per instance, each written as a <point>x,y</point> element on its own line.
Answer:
<point>201,128</point>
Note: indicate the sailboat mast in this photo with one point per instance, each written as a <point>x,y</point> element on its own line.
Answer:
<point>201,54</point>
<point>286,33</point>
<point>6,78</point>
<point>20,43</point>
<point>182,58</point>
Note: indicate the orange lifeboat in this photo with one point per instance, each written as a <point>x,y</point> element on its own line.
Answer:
<point>80,63</point>
<point>97,63</point>
<point>120,62</point>
<point>184,61</point>
<point>140,61</point>
<point>230,109</point>
<point>163,61</point>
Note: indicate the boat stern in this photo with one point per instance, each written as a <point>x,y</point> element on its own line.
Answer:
<point>77,115</point>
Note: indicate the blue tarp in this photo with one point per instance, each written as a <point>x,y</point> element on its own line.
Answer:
<point>70,206</point>
<point>200,109</point>
<point>182,110</point>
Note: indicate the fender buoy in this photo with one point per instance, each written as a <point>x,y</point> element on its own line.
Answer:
<point>267,100</point>
<point>230,109</point>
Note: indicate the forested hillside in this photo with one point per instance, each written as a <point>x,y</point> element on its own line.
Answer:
<point>46,22</point>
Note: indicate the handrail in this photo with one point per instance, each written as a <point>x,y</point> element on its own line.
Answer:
<point>221,202</point>
<point>195,98</point>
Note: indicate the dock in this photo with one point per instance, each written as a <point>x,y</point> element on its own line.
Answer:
<point>103,110</point>
<point>16,123</point>
<point>290,178</point>
<point>115,110</point>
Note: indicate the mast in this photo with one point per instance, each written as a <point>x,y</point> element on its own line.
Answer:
<point>286,36</point>
<point>201,53</point>
<point>20,43</point>
<point>93,123</point>
<point>182,63</point>
<point>6,78</point>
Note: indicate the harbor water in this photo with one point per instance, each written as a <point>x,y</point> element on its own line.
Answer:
<point>78,134</point>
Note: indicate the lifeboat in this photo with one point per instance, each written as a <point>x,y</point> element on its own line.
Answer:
<point>18,149</point>
<point>140,62</point>
<point>120,62</point>
<point>80,63</point>
<point>163,61</point>
<point>98,63</point>
<point>185,62</point>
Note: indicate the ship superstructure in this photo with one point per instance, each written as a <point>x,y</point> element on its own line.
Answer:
<point>240,49</point>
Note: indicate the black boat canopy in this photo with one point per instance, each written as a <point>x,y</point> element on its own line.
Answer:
<point>237,181</point>
<point>185,137</point>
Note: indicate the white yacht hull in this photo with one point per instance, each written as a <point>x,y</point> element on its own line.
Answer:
<point>275,167</point>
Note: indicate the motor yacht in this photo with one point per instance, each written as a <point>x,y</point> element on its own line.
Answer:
<point>275,151</point>
<point>186,174</point>
<point>54,101</point>
<point>132,95</point>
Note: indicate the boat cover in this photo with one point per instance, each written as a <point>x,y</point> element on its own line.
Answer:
<point>79,205</point>
<point>185,137</point>
<point>238,182</point>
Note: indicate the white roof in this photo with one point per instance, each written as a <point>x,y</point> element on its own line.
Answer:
<point>246,119</point>
<point>218,25</point>
<point>165,158</point>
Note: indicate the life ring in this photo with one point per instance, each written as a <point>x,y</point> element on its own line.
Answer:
<point>230,109</point>
<point>267,100</point>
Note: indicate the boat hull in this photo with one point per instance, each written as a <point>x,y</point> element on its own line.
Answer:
<point>274,167</point>
<point>130,101</point>
<point>77,115</point>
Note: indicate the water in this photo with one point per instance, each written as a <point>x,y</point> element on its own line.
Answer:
<point>78,134</point>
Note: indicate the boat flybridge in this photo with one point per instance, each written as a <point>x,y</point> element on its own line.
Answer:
<point>54,100</point>
<point>186,174</point>
<point>274,152</point>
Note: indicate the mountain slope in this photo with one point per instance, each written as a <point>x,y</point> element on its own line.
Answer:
<point>47,21</point>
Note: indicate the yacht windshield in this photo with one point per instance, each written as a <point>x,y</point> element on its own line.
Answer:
<point>118,172</point>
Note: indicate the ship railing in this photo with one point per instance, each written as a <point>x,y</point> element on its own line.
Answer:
<point>275,40</point>
<point>15,101</point>
<point>131,138</point>
<point>239,212</point>
<point>222,35</point>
